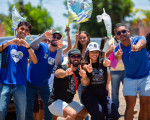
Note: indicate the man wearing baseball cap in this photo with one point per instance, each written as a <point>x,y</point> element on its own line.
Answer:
<point>38,75</point>
<point>66,81</point>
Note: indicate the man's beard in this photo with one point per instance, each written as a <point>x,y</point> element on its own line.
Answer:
<point>74,64</point>
<point>53,44</point>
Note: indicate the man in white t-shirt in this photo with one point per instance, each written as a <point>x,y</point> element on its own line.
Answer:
<point>117,73</point>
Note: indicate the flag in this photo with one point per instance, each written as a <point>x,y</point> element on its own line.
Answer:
<point>114,62</point>
<point>79,10</point>
<point>107,22</point>
<point>16,18</point>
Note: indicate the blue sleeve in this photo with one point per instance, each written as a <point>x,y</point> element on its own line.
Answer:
<point>116,49</point>
<point>35,43</point>
<point>141,38</point>
<point>137,38</point>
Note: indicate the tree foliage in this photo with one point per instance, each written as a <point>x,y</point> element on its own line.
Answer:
<point>117,9</point>
<point>143,15</point>
<point>38,17</point>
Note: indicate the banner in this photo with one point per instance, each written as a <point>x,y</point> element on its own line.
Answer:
<point>79,10</point>
<point>16,18</point>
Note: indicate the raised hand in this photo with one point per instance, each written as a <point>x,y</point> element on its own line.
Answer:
<point>23,43</point>
<point>113,47</point>
<point>69,71</point>
<point>77,36</point>
<point>48,34</point>
<point>134,48</point>
<point>15,41</point>
<point>67,29</point>
<point>106,62</point>
<point>119,53</point>
<point>82,73</point>
<point>89,67</point>
<point>60,43</point>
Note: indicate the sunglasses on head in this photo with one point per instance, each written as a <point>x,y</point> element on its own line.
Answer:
<point>74,57</point>
<point>123,31</point>
<point>58,38</point>
<point>23,29</point>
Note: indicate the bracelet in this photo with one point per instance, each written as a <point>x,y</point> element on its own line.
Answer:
<point>28,48</point>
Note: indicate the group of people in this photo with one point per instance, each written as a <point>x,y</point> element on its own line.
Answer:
<point>27,70</point>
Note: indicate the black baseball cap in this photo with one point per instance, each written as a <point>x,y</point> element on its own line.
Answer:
<point>57,32</point>
<point>74,52</point>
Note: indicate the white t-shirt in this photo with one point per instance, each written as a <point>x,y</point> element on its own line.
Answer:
<point>108,44</point>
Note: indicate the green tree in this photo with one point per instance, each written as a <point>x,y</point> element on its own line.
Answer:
<point>117,9</point>
<point>143,15</point>
<point>37,16</point>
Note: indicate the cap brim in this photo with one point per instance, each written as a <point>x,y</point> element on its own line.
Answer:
<point>94,49</point>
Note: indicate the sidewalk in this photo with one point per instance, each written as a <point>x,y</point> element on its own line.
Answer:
<point>122,105</point>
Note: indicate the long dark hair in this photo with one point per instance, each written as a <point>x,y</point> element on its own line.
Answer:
<point>79,46</point>
<point>86,60</point>
<point>103,41</point>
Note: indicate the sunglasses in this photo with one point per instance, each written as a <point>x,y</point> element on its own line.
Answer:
<point>58,38</point>
<point>74,57</point>
<point>23,29</point>
<point>46,41</point>
<point>123,32</point>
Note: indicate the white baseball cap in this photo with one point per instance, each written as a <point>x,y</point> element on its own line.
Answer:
<point>93,46</point>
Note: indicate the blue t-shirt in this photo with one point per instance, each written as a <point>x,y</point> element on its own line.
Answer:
<point>14,65</point>
<point>38,74</point>
<point>136,63</point>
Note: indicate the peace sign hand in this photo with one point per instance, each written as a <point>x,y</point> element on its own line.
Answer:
<point>106,62</point>
<point>69,71</point>
<point>113,47</point>
<point>89,67</point>
<point>119,53</point>
<point>60,43</point>
<point>82,73</point>
<point>134,47</point>
<point>48,34</point>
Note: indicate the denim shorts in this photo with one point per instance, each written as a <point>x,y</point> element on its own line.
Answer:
<point>133,86</point>
<point>58,106</point>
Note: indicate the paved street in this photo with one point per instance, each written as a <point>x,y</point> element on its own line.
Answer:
<point>121,108</point>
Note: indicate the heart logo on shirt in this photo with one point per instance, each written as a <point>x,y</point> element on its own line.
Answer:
<point>16,55</point>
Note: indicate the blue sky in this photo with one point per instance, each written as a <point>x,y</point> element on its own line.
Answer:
<point>56,9</point>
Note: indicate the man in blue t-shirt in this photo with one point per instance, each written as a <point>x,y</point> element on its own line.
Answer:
<point>39,74</point>
<point>137,79</point>
<point>13,73</point>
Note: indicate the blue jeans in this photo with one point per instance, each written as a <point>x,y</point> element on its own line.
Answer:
<point>116,78</point>
<point>99,107</point>
<point>44,93</point>
<point>19,95</point>
<point>80,89</point>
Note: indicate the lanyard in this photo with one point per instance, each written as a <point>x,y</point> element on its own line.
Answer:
<point>75,79</point>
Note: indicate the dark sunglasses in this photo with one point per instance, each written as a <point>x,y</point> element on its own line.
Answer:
<point>74,57</point>
<point>58,38</point>
<point>123,31</point>
<point>26,30</point>
<point>46,40</point>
